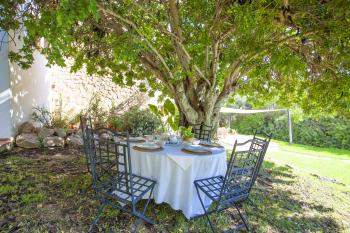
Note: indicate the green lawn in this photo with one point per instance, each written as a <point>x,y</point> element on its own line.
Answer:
<point>49,191</point>
<point>328,163</point>
<point>315,151</point>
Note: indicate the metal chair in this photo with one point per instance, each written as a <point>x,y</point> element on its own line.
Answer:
<point>202,132</point>
<point>85,123</point>
<point>113,181</point>
<point>261,137</point>
<point>235,187</point>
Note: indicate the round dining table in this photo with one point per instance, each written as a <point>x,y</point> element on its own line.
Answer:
<point>175,171</point>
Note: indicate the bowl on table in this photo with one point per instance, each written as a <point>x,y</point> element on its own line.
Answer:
<point>149,138</point>
<point>195,142</point>
<point>173,139</point>
<point>160,143</point>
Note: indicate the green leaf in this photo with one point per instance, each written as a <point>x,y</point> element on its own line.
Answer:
<point>169,107</point>
<point>155,111</point>
<point>172,123</point>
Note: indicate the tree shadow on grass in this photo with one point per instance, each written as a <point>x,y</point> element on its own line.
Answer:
<point>278,206</point>
<point>61,200</point>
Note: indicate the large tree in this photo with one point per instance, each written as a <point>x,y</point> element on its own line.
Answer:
<point>198,52</point>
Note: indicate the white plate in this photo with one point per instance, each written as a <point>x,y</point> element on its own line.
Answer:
<point>196,148</point>
<point>136,139</point>
<point>211,144</point>
<point>149,146</point>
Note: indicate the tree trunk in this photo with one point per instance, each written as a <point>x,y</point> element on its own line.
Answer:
<point>210,118</point>
<point>201,108</point>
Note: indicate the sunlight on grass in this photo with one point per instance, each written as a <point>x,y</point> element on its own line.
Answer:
<point>315,151</point>
<point>59,198</point>
<point>330,168</point>
<point>329,163</point>
<point>35,197</point>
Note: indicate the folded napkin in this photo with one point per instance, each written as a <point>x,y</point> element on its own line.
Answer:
<point>182,161</point>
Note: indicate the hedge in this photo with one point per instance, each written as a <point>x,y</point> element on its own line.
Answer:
<point>322,132</point>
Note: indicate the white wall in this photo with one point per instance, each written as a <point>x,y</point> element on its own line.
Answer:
<point>5,92</point>
<point>29,88</point>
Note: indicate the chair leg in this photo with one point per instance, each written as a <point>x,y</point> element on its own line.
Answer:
<point>141,216</point>
<point>205,211</point>
<point>244,219</point>
<point>97,217</point>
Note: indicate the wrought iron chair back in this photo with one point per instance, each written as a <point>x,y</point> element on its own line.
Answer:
<point>242,171</point>
<point>108,155</point>
<point>111,159</point>
<point>202,132</point>
<point>85,125</point>
<point>235,187</point>
<point>263,139</point>
<point>87,128</point>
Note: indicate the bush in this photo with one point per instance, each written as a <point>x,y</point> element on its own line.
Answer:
<point>131,118</point>
<point>323,132</point>
<point>49,119</point>
<point>98,115</point>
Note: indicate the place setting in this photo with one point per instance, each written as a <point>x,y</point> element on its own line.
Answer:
<point>131,139</point>
<point>150,144</point>
<point>198,147</point>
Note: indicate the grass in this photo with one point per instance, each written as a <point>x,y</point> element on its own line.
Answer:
<point>315,151</point>
<point>328,163</point>
<point>52,194</point>
<point>35,197</point>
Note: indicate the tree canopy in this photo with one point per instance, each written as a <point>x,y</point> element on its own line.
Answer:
<point>198,53</point>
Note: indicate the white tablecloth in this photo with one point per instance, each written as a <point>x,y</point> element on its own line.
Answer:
<point>175,171</point>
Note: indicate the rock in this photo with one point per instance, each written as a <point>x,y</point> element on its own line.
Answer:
<point>53,141</point>
<point>75,140</point>
<point>45,132</point>
<point>70,131</point>
<point>27,140</point>
<point>26,127</point>
<point>5,144</point>
<point>105,136</point>
<point>60,132</point>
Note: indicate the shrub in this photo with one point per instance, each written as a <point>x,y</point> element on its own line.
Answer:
<point>135,116</point>
<point>322,132</point>
<point>98,114</point>
<point>49,119</point>
<point>116,123</point>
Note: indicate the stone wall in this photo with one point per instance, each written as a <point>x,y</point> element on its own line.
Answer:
<point>72,92</point>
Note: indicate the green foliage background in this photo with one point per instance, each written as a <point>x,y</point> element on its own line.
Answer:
<point>320,132</point>
<point>289,52</point>
<point>135,116</point>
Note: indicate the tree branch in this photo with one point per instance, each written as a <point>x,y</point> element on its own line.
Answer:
<point>184,50</point>
<point>216,52</point>
<point>218,10</point>
<point>235,68</point>
<point>133,26</point>
<point>191,114</point>
<point>184,57</point>
<point>152,65</point>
